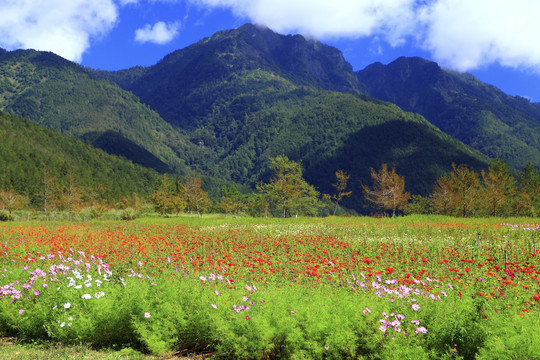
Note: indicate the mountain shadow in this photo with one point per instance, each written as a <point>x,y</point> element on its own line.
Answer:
<point>115,143</point>
<point>418,153</point>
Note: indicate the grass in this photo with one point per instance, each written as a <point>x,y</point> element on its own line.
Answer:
<point>10,350</point>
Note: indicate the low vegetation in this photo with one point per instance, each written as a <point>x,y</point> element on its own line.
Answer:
<point>423,287</point>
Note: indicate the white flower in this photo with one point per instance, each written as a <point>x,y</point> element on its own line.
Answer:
<point>67,305</point>
<point>86,296</point>
<point>99,294</point>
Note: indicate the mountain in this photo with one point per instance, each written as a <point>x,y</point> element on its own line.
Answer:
<point>62,96</point>
<point>26,147</point>
<point>473,112</point>
<point>248,94</point>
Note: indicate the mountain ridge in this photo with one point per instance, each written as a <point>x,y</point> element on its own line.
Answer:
<point>226,104</point>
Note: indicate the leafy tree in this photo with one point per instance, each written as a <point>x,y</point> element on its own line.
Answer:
<point>499,186</point>
<point>287,189</point>
<point>388,191</point>
<point>197,199</point>
<point>441,198</point>
<point>11,201</point>
<point>528,199</point>
<point>49,191</point>
<point>465,189</point>
<point>419,205</point>
<point>161,198</point>
<point>341,184</point>
<point>232,201</point>
<point>71,196</point>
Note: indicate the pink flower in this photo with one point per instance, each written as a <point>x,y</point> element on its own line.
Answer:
<point>214,306</point>
<point>415,307</point>
<point>147,315</point>
<point>21,311</point>
<point>420,329</point>
<point>36,292</point>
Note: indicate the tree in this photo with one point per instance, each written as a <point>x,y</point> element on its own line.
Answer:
<point>528,198</point>
<point>441,197</point>
<point>11,201</point>
<point>465,189</point>
<point>197,198</point>
<point>49,191</point>
<point>71,196</point>
<point>388,191</point>
<point>287,189</point>
<point>499,186</point>
<point>161,197</point>
<point>341,184</point>
<point>232,201</point>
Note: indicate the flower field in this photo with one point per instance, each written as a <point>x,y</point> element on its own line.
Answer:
<point>337,288</point>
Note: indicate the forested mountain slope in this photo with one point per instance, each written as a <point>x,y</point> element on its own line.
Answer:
<point>62,96</point>
<point>243,102</point>
<point>476,113</point>
<point>28,150</point>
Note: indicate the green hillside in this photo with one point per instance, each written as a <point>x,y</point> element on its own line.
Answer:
<point>25,148</point>
<point>242,110</point>
<point>478,114</point>
<point>62,96</point>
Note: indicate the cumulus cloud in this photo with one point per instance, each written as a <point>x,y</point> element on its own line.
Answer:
<point>160,33</point>
<point>467,34</point>
<point>64,27</point>
<point>325,19</point>
<point>462,34</point>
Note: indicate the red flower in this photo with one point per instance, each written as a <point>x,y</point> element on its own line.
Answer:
<point>536,297</point>
<point>247,317</point>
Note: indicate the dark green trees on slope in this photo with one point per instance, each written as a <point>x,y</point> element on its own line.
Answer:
<point>478,114</point>
<point>242,110</point>
<point>62,96</point>
<point>26,149</point>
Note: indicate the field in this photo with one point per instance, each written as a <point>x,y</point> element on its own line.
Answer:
<point>305,288</point>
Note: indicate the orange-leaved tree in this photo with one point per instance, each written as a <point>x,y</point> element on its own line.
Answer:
<point>388,191</point>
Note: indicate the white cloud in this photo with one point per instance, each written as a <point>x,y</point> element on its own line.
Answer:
<point>468,34</point>
<point>326,19</point>
<point>461,34</point>
<point>160,33</point>
<point>64,27</point>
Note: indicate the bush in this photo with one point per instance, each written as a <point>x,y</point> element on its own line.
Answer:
<point>4,215</point>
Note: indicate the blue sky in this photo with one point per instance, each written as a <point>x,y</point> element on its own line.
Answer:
<point>499,45</point>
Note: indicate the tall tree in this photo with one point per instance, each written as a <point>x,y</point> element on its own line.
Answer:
<point>528,198</point>
<point>161,198</point>
<point>342,179</point>
<point>287,189</point>
<point>11,201</point>
<point>499,186</point>
<point>441,197</point>
<point>388,191</point>
<point>71,196</point>
<point>197,198</point>
<point>465,189</point>
<point>48,191</point>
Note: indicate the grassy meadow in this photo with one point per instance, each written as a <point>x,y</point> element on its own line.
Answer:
<point>422,287</point>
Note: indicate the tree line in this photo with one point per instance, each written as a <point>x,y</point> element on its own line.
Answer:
<point>461,192</point>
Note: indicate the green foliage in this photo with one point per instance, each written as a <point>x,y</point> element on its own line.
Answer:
<point>62,96</point>
<point>287,192</point>
<point>478,114</point>
<point>25,148</point>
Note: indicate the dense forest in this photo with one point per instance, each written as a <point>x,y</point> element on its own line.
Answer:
<point>229,105</point>
<point>31,156</point>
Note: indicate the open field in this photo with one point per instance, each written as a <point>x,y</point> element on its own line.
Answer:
<point>306,288</point>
